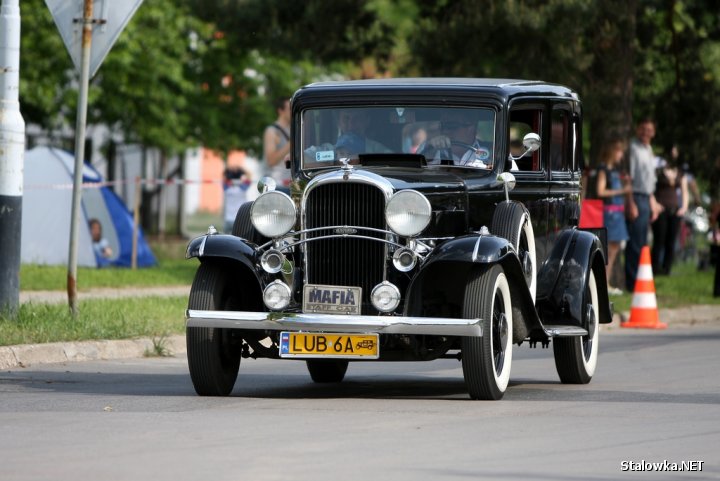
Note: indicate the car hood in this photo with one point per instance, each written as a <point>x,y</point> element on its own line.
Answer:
<point>429,181</point>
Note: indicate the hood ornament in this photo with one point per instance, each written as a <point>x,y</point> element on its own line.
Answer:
<point>347,168</point>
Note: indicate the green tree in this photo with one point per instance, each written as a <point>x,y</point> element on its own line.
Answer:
<point>45,80</point>
<point>678,78</point>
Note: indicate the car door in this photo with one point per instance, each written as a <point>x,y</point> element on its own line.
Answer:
<point>532,172</point>
<point>564,158</point>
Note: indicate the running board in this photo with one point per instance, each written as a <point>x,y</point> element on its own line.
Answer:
<point>565,331</point>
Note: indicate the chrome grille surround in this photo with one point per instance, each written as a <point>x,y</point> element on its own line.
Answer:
<point>338,204</point>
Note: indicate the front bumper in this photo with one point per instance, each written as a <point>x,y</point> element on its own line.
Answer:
<point>296,322</point>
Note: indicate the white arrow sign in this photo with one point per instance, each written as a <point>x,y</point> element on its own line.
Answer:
<point>110,18</point>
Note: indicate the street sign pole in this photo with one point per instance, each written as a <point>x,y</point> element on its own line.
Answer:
<point>87,25</point>
<point>12,151</point>
<point>105,31</point>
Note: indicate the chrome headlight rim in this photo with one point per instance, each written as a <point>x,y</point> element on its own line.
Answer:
<point>408,213</point>
<point>266,215</point>
<point>277,288</point>
<point>400,259</point>
<point>272,261</point>
<point>388,288</point>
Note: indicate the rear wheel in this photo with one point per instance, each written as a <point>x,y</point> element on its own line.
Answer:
<point>323,371</point>
<point>486,360</point>
<point>511,220</point>
<point>213,354</point>
<point>576,357</point>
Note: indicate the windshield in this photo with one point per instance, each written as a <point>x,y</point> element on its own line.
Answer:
<point>441,135</point>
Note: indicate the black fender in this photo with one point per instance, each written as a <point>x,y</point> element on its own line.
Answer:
<point>223,246</point>
<point>564,276</point>
<point>439,286</point>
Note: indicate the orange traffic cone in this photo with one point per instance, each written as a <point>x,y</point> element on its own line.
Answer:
<point>644,311</point>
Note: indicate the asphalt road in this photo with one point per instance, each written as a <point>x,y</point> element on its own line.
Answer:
<point>655,398</point>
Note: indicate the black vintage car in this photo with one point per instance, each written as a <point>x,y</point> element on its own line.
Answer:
<point>428,218</point>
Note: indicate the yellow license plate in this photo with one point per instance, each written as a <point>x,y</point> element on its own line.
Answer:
<point>336,345</point>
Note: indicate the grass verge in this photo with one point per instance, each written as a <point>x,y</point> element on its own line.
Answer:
<point>169,272</point>
<point>155,317</point>
<point>685,286</point>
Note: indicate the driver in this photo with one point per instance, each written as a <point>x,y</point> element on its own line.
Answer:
<point>458,142</point>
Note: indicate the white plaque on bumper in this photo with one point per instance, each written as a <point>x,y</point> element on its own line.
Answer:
<point>332,299</point>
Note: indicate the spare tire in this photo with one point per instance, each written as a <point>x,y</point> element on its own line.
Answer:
<point>243,228</point>
<point>511,220</point>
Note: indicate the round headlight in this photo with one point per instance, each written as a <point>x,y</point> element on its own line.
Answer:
<point>408,213</point>
<point>276,295</point>
<point>273,214</point>
<point>385,297</point>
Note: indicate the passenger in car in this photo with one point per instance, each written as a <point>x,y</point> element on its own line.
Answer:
<point>356,121</point>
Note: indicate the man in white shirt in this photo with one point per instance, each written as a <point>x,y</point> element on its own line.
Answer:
<point>642,208</point>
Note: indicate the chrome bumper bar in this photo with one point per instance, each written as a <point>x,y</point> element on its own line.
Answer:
<point>281,321</point>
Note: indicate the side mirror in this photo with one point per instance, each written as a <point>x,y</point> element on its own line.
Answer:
<point>531,142</point>
<point>508,181</point>
<point>266,184</point>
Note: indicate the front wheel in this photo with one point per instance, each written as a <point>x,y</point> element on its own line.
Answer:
<point>576,357</point>
<point>322,371</point>
<point>213,354</point>
<point>486,360</point>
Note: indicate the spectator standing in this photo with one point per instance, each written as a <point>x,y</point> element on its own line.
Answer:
<point>641,208</point>
<point>667,225</point>
<point>276,145</point>
<point>235,186</point>
<point>613,191</point>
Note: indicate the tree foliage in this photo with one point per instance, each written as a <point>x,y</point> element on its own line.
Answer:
<point>206,71</point>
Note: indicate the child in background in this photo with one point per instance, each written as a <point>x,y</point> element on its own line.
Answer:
<point>612,190</point>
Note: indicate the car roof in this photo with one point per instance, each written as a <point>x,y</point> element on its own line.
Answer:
<point>505,88</point>
<point>476,82</point>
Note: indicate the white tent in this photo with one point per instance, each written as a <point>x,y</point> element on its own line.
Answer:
<point>46,210</point>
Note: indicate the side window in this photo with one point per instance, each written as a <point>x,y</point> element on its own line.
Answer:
<point>522,122</point>
<point>560,135</point>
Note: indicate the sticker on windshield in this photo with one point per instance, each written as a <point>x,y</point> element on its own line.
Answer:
<point>325,156</point>
<point>482,153</point>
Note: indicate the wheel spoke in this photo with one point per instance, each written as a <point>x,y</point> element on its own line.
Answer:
<point>587,346</point>
<point>499,328</point>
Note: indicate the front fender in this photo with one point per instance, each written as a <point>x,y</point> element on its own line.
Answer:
<point>439,286</point>
<point>480,249</point>
<point>564,276</point>
<point>224,246</point>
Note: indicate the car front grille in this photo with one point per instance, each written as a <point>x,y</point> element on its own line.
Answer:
<point>346,261</point>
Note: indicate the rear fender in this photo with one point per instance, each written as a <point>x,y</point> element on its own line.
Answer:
<point>439,286</point>
<point>564,276</point>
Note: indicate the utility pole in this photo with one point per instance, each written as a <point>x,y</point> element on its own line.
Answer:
<point>12,152</point>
